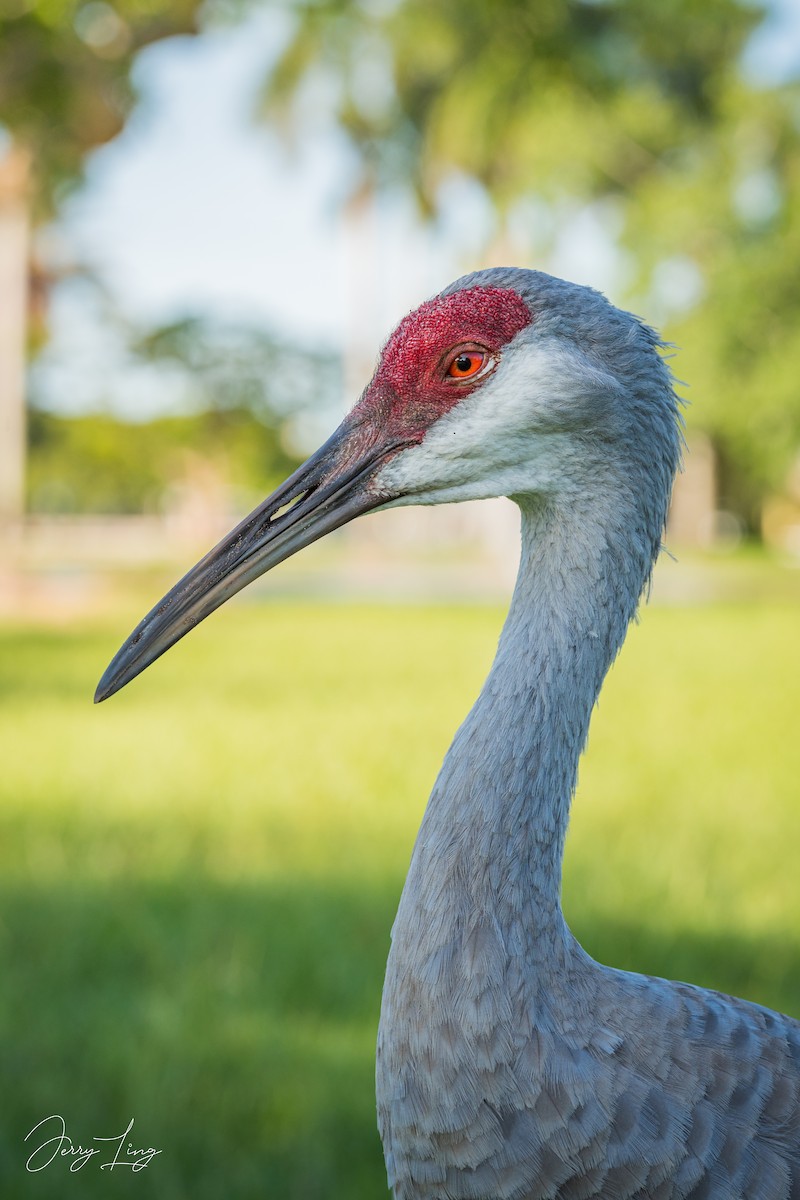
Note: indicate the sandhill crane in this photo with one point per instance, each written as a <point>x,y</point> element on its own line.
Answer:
<point>511,1066</point>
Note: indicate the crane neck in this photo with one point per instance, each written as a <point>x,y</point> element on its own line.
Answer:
<point>494,830</point>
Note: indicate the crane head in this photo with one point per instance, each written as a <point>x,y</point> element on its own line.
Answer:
<point>509,382</point>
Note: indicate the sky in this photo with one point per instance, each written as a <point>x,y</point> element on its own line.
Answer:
<point>195,208</point>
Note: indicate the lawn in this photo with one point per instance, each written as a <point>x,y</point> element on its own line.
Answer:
<point>199,877</point>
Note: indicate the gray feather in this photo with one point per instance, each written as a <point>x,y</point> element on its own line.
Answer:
<point>510,1065</point>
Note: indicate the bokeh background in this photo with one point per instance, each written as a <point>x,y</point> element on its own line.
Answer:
<point>211,215</point>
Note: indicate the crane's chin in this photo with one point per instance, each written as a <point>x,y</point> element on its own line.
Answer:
<point>332,487</point>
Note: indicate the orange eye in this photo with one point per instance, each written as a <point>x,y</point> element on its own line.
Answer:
<point>466,364</point>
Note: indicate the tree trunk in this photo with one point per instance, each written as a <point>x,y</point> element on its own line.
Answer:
<point>14,245</point>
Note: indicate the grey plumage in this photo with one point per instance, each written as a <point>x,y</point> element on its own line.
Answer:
<point>510,1065</point>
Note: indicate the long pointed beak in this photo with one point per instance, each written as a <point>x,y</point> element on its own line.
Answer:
<point>328,490</point>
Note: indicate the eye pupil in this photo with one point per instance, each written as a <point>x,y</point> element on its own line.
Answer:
<point>466,364</point>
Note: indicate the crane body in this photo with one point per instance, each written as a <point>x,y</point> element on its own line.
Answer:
<point>510,1065</point>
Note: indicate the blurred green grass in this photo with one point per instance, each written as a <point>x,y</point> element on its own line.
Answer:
<point>199,877</point>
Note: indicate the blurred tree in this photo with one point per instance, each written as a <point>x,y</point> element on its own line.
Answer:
<point>572,98</point>
<point>64,76</point>
<point>241,366</point>
<point>241,388</point>
<point>557,104</point>
<point>64,88</point>
<point>718,241</point>
<point>99,463</point>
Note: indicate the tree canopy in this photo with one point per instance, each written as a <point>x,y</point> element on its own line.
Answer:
<point>240,389</point>
<point>568,98</point>
<point>64,75</point>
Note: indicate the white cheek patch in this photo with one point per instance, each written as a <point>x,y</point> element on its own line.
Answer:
<point>511,434</point>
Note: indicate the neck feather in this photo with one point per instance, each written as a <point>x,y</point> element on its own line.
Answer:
<point>492,838</point>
